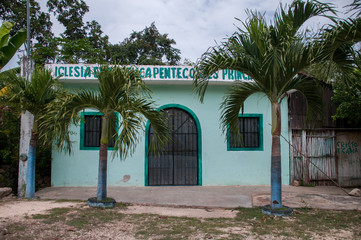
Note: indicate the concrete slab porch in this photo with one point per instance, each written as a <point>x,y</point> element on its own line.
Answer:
<point>213,196</point>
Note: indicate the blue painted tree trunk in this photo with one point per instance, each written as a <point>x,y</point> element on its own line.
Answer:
<point>276,182</point>
<point>102,173</point>
<point>30,172</point>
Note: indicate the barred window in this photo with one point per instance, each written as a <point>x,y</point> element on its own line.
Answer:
<point>250,130</point>
<point>92,131</point>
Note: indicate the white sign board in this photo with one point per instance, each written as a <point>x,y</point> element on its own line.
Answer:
<point>148,73</point>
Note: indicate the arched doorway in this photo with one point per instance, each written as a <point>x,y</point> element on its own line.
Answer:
<point>178,163</point>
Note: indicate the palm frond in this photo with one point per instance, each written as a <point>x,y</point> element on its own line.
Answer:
<point>310,88</point>
<point>122,91</point>
<point>272,54</point>
<point>233,103</point>
<point>355,6</point>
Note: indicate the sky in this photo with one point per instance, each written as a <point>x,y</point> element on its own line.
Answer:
<point>195,25</point>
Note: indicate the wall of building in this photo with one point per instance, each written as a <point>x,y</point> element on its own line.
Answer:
<point>219,166</point>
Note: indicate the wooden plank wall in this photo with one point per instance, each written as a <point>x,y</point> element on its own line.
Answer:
<point>336,153</point>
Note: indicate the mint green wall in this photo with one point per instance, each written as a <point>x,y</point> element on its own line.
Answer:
<point>219,166</point>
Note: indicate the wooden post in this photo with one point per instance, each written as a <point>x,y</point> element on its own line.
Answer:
<point>27,120</point>
<point>26,125</point>
<point>305,158</point>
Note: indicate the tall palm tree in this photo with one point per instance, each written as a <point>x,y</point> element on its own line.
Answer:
<point>273,55</point>
<point>33,96</point>
<point>123,92</point>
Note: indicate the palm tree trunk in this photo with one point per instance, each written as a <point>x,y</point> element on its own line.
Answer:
<point>30,171</point>
<point>276,183</point>
<point>103,160</point>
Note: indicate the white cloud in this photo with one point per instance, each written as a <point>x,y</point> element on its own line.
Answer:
<point>194,24</point>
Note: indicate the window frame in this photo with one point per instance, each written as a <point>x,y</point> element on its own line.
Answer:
<point>82,129</point>
<point>260,134</point>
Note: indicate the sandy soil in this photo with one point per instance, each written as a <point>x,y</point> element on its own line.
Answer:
<point>20,209</point>
<point>17,211</point>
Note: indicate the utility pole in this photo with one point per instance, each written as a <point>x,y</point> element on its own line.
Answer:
<point>26,180</point>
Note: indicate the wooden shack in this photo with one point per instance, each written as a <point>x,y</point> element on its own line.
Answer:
<point>323,151</point>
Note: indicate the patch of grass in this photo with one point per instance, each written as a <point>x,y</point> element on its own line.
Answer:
<point>306,223</point>
<point>15,228</point>
<point>81,218</point>
<point>245,214</point>
<point>161,227</point>
<point>90,217</point>
<point>54,215</point>
<point>300,225</point>
<point>122,205</point>
<point>67,200</point>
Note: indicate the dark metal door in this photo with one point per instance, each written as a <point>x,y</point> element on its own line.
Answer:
<point>176,163</point>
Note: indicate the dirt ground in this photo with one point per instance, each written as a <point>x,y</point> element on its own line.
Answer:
<point>21,212</point>
<point>20,209</point>
<point>22,219</point>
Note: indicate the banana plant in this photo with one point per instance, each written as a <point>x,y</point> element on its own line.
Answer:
<point>9,44</point>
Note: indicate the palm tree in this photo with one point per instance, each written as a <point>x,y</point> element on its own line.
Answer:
<point>32,96</point>
<point>121,91</point>
<point>273,55</point>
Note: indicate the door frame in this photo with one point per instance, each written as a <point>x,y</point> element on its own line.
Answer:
<point>186,109</point>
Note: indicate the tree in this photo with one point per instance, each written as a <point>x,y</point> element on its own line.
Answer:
<point>78,43</point>
<point>347,98</point>
<point>121,91</point>
<point>32,96</point>
<point>273,55</point>
<point>147,47</point>
<point>15,11</point>
<point>9,45</point>
<point>343,65</point>
<point>70,13</point>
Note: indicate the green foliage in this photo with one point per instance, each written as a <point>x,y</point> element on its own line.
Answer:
<point>9,152</point>
<point>15,11</point>
<point>356,6</point>
<point>79,43</point>
<point>347,98</point>
<point>32,96</point>
<point>121,90</point>
<point>9,45</point>
<point>70,13</point>
<point>272,54</point>
<point>86,42</point>
<point>147,47</point>
<point>343,64</point>
<point>340,48</point>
